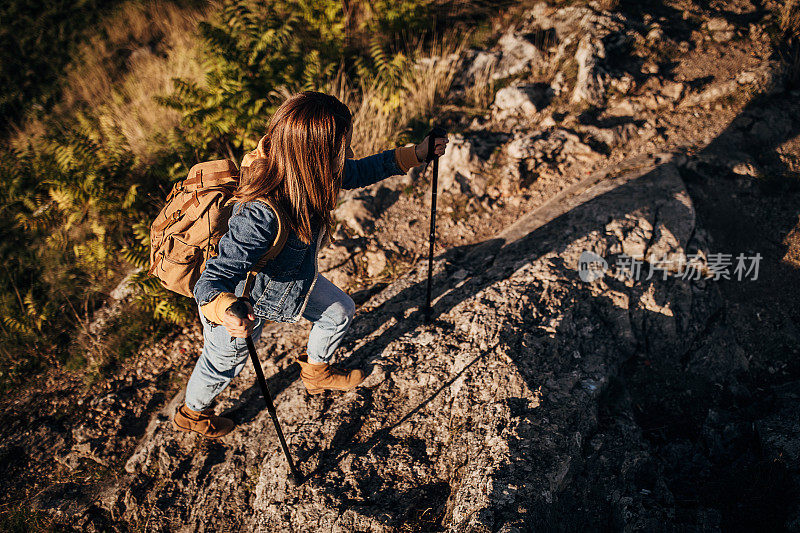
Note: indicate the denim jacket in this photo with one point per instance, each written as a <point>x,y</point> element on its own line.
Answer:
<point>280,291</point>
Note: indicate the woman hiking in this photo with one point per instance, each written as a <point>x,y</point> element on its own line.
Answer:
<point>299,165</point>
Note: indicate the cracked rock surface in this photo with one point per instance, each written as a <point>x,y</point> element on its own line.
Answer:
<point>485,419</point>
<point>534,401</point>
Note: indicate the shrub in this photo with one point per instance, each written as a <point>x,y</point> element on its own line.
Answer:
<point>255,54</point>
<point>82,187</point>
<point>251,55</point>
<point>68,201</point>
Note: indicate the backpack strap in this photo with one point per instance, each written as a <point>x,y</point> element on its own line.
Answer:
<point>209,174</point>
<point>158,227</point>
<point>275,249</point>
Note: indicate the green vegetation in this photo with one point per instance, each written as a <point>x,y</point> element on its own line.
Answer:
<point>255,54</point>
<point>83,182</point>
<point>66,204</point>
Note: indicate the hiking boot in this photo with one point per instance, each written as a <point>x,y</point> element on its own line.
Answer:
<point>203,422</point>
<point>318,377</point>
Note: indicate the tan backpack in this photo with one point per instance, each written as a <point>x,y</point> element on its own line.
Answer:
<point>186,232</point>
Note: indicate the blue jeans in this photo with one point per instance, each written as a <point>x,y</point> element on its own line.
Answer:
<point>329,309</point>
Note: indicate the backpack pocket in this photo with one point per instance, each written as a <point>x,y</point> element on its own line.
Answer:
<point>179,252</point>
<point>179,265</point>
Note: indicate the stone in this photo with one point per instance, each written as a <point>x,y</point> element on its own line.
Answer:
<point>766,78</point>
<point>721,30</point>
<point>673,90</point>
<point>745,168</point>
<point>612,137</point>
<point>655,34</point>
<point>425,338</point>
<point>478,64</point>
<point>718,24</point>
<point>622,108</point>
<point>460,168</point>
<point>516,100</point>
<point>375,262</point>
<point>559,84</point>
<point>623,84</point>
<point>650,67</point>
<point>548,122</point>
<point>589,87</point>
<point>518,54</point>
<point>554,145</point>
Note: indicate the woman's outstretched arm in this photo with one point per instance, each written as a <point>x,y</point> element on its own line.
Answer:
<point>372,169</point>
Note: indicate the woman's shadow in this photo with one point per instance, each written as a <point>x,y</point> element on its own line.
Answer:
<point>486,263</point>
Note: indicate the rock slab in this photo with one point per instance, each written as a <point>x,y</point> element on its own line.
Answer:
<point>485,419</point>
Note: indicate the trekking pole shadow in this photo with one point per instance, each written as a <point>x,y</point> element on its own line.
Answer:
<point>328,464</point>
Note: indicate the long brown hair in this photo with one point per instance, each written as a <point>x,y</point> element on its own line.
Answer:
<point>302,160</point>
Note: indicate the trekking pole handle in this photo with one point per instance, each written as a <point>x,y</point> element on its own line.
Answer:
<point>239,309</point>
<point>436,133</point>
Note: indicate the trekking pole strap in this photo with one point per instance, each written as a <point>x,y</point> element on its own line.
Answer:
<point>275,249</point>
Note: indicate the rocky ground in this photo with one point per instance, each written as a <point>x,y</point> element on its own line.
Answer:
<point>534,400</point>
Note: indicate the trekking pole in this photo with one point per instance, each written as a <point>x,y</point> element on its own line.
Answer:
<point>239,309</point>
<point>435,132</point>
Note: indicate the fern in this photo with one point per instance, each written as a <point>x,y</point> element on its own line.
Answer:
<point>161,303</point>
<point>75,205</point>
<point>17,326</point>
<point>251,51</point>
<point>138,252</point>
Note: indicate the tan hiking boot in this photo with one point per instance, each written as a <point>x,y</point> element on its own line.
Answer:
<point>202,422</point>
<point>318,377</point>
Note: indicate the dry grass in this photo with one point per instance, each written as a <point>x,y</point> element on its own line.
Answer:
<point>118,47</point>
<point>480,93</point>
<point>117,76</point>
<point>382,112</point>
<point>789,20</point>
<point>132,106</point>
<point>378,117</point>
<point>789,25</point>
<point>372,124</point>
<point>428,81</point>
